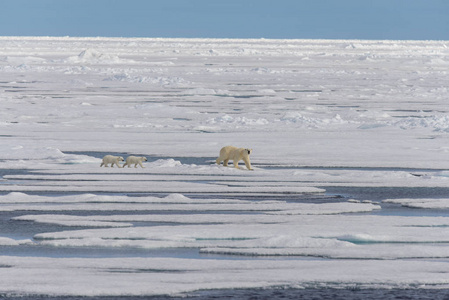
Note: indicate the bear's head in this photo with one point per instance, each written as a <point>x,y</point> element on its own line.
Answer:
<point>144,158</point>
<point>120,158</point>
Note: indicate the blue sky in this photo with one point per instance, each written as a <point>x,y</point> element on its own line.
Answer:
<point>300,19</point>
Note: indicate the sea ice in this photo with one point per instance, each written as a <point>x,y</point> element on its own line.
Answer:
<point>363,117</point>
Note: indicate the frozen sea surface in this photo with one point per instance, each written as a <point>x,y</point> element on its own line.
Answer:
<point>281,293</point>
<point>349,195</point>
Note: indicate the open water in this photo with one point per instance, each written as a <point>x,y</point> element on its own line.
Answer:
<point>24,230</point>
<point>278,293</point>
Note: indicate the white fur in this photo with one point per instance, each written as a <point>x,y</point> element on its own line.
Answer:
<point>136,160</point>
<point>235,154</point>
<point>110,159</point>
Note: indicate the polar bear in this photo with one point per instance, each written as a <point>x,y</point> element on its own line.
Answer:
<point>111,159</point>
<point>135,160</point>
<point>235,154</point>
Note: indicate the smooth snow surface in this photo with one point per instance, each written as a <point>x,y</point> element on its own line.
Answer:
<point>364,116</point>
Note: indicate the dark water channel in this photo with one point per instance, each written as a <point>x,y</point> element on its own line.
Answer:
<point>26,230</point>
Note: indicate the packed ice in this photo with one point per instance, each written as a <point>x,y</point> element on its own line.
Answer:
<point>349,187</point>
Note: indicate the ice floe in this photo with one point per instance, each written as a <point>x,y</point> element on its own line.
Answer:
<point>350,153</point>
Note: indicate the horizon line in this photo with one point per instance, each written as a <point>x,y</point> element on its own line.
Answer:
<point>214,38</point>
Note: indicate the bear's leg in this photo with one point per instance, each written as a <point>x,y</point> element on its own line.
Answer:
<point>102,164</point>
<point>247,163</point>
<point>140,164</point>
<point>236,164</point>
<point>220,159</point>
<point>225,162</point>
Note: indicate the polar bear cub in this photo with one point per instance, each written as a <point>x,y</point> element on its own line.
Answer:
<point>235,154</point>
<point>111,159</point>
<point>135,160</point>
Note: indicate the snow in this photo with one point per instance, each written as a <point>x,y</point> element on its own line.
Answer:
<point>319,115</point>
<point>130,276</point>
<point>421,203</point>
<point>12,242</point>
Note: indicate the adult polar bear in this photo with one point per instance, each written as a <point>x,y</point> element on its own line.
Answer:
<point>235,154</point>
